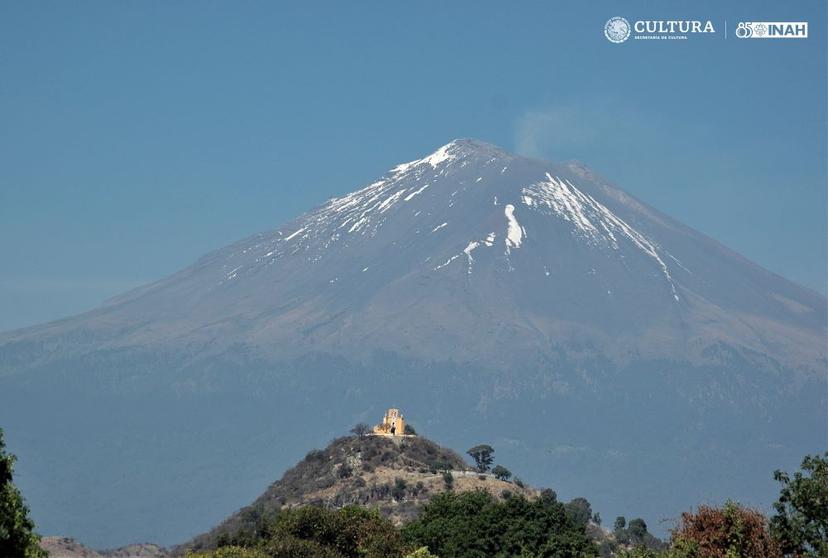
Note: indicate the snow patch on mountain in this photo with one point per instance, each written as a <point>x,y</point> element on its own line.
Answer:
<point>514,232</point>
<point>592,221</point>
<point>300,231</point>
<point>448,261</point>
<point>390,200</point>
<point>446,153</point>
<point>468,251</point>
<point>416,192</point>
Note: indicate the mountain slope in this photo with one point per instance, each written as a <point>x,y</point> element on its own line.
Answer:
<point>550,254</point>
<point>493,296</point>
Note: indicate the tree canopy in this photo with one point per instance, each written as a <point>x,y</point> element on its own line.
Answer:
<point>501,472</point>
<point>801,521</point>
<point>483,456</point>
<point>17,536</point>
<point>579,511</point>
<point>477,525</point>
<point>313,531</point>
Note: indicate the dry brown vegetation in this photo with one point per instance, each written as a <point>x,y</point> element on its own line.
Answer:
<point>395,475</point>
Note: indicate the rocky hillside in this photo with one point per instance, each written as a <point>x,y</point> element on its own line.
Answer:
<point>394,475</point>
<point>64,547</point>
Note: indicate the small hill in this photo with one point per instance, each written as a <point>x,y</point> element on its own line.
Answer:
<point>395,475</point>
<point>64,547</point>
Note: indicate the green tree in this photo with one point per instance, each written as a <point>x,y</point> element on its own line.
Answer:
<point>801,521</point>
<point>483,456</point>
<point>502,473</point>
<point>579,510</point>
<point>637,530</point>
<point>475,524</point>
<point>409,430</point>
<point>635,534</point>
<point>547,494</point>
<point>17,536</point>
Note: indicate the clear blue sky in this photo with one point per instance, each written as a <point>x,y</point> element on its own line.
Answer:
<point>136,136</point>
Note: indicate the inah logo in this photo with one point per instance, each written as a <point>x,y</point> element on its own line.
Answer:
<point>772,30</point>
<point>617,30</point>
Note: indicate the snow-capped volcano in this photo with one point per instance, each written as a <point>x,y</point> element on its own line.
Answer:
<point>365,211</point>
<point>501,251</point>
<point>392,198</point>
<point>492,296</point>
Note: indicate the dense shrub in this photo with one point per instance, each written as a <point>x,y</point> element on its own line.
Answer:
<point>475,524</point>
<point>344,471</point>
<point>230,552</point>
<point>349,532</point>
<point>421,552</point>
<point>398,492</point>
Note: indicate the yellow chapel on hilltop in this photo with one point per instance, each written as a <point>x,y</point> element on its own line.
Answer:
<point>393,424</point>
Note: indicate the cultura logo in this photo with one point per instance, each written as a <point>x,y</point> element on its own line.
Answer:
<point>671,26</point>
<point>617,29</point>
